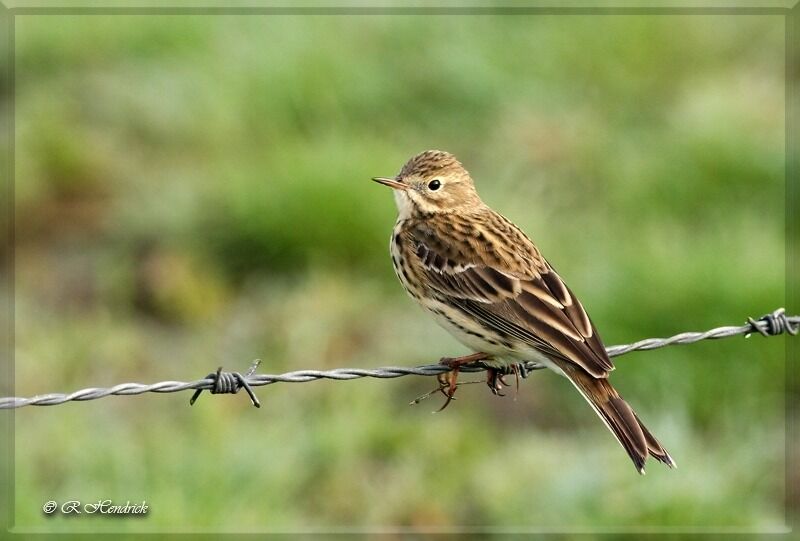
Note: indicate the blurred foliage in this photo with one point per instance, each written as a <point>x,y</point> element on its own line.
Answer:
<point>193,191</point>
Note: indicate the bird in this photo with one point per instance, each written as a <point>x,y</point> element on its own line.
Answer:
<point>483,280</point>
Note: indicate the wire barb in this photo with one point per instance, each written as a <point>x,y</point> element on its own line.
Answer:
<point>776,323</point>
<point>771,324</point>
<point>230,383</point>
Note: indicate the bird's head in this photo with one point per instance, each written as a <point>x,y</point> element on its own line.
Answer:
<point>432,182</point>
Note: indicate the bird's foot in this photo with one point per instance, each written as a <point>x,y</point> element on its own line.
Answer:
<point>448,381</point>
<point>495,381</point>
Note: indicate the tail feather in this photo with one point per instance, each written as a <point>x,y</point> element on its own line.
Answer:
<point>655,449</point>
<point>620,418</point>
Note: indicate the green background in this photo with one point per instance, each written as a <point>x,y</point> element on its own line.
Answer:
<point>194,191</point>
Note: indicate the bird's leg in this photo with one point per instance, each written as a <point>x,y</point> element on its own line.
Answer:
<point>449,380</point>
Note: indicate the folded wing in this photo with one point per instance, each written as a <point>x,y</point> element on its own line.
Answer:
<point>520,296</point>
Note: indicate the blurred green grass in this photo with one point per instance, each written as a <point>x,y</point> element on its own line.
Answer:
<point>193,191</point>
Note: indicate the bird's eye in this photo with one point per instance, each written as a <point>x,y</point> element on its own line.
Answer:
<point>435,184</point>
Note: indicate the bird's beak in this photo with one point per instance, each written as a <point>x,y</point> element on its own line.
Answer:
<point>392,183</point>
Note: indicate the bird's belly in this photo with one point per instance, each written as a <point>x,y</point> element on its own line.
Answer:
<point>474,336</point>
<point>471,335</point>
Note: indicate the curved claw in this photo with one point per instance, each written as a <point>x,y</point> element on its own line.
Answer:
<point>449,381</point>
<point>516,368</point>
<point>495,381</point>
<point>446,403</point>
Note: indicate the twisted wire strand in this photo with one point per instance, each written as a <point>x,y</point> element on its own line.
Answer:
<point>771,324</point>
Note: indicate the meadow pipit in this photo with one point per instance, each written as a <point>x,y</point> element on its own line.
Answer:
<point>486,283</point>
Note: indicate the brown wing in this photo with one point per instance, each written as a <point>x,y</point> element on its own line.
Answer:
<point>493,272</point>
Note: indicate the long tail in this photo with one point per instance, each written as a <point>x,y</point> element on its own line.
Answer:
<point>620,418</point>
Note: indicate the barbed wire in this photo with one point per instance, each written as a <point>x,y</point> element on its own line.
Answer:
<point>218,382</point>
